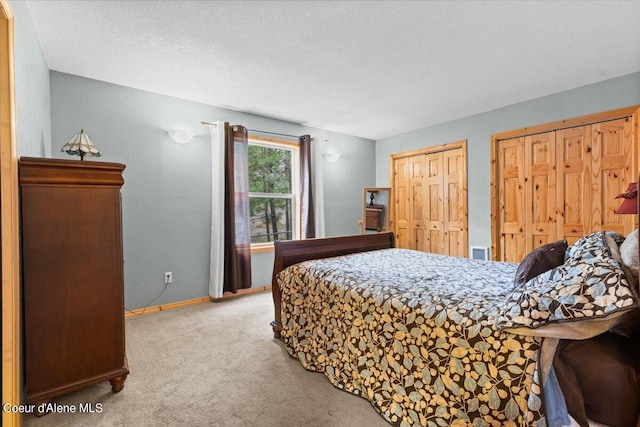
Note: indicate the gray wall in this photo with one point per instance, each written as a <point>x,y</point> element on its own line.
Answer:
<point>33,109</point>
<point>166,196</point>
<point>607,95</point>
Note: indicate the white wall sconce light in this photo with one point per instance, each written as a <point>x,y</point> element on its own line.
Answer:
<point>332,156</point>
<point>181,136</point>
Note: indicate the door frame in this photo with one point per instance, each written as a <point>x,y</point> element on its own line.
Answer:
<point>9,235</point>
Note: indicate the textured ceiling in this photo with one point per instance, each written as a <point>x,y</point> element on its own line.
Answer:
<point>368,68</point>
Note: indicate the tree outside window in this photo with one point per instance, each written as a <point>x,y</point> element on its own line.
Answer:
<point>272,189</point>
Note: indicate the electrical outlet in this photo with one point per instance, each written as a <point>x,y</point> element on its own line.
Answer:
<point>168,277</point>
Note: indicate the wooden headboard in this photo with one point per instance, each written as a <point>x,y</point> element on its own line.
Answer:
<point>291,252</point>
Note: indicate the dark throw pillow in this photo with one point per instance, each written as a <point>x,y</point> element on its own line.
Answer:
<point>540,260</point>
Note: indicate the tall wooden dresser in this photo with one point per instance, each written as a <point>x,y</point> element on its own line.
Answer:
<point>72,270</point>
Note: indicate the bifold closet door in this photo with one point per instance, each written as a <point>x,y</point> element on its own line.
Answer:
<point>512,207</point>
<point>562,185</point>
<point>595,164</point>
<point>539,187</point>
<point>401,190</point>
<point>409,179</point>
<point>612,160</point>
<point>527,179</point>
<point>430,202</point>
<point>445,205</point>
<point>418,237</point>
<point>573,193</point>
<point>434,187</point>
<point>455,206</point>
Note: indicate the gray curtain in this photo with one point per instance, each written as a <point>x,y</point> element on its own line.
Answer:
<point>308,227</point>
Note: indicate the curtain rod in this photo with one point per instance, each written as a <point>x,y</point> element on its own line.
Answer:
<point>202,122</point>
<point>274,133</point>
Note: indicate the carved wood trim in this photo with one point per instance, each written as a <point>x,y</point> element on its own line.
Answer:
<point>432,149</point>
<point>44,171</point>
<point>605,116</point>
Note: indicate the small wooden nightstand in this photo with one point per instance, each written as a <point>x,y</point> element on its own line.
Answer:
<point>373,219</point>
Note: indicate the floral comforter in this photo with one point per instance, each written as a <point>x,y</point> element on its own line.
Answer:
<point>414,334</point>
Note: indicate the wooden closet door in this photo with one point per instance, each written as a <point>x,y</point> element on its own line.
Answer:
<point>611,173</point>
<point>573,182</point>
<point>418,238</point>
<point>562,185</point>
<point>409,205</point>
<point>430,199</point>
<point>592,159</point>
<point>401,190</point>
<point>434,207</point>
<point>527,201</point>
<point>445,205</point>
<point>455,203</point>
<point>539,188</point>
<point>511,196</point>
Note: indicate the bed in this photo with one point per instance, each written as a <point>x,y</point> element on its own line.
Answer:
<point>434,340</point>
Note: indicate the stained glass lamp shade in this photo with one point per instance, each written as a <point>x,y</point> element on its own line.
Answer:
<point>81,145</point>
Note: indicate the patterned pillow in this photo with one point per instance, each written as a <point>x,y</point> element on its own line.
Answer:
<point>579,299</point>
<point>629,251</point>
<point>592,246</point>
<point>540,260</point>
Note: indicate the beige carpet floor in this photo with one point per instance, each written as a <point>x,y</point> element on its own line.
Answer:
<point>213,364</point>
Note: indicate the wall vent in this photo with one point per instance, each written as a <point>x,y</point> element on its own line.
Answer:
<point>480,252</point>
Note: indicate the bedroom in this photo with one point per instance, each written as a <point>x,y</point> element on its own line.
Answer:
<point>129,127</point>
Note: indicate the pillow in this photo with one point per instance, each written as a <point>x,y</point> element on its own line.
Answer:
<point>582,298</point>
<point>629,252</point>
<point>540,260</point>
<point>591,246</point>
<point>630,322</point>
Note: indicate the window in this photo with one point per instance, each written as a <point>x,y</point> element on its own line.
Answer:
<point>273,191</point>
